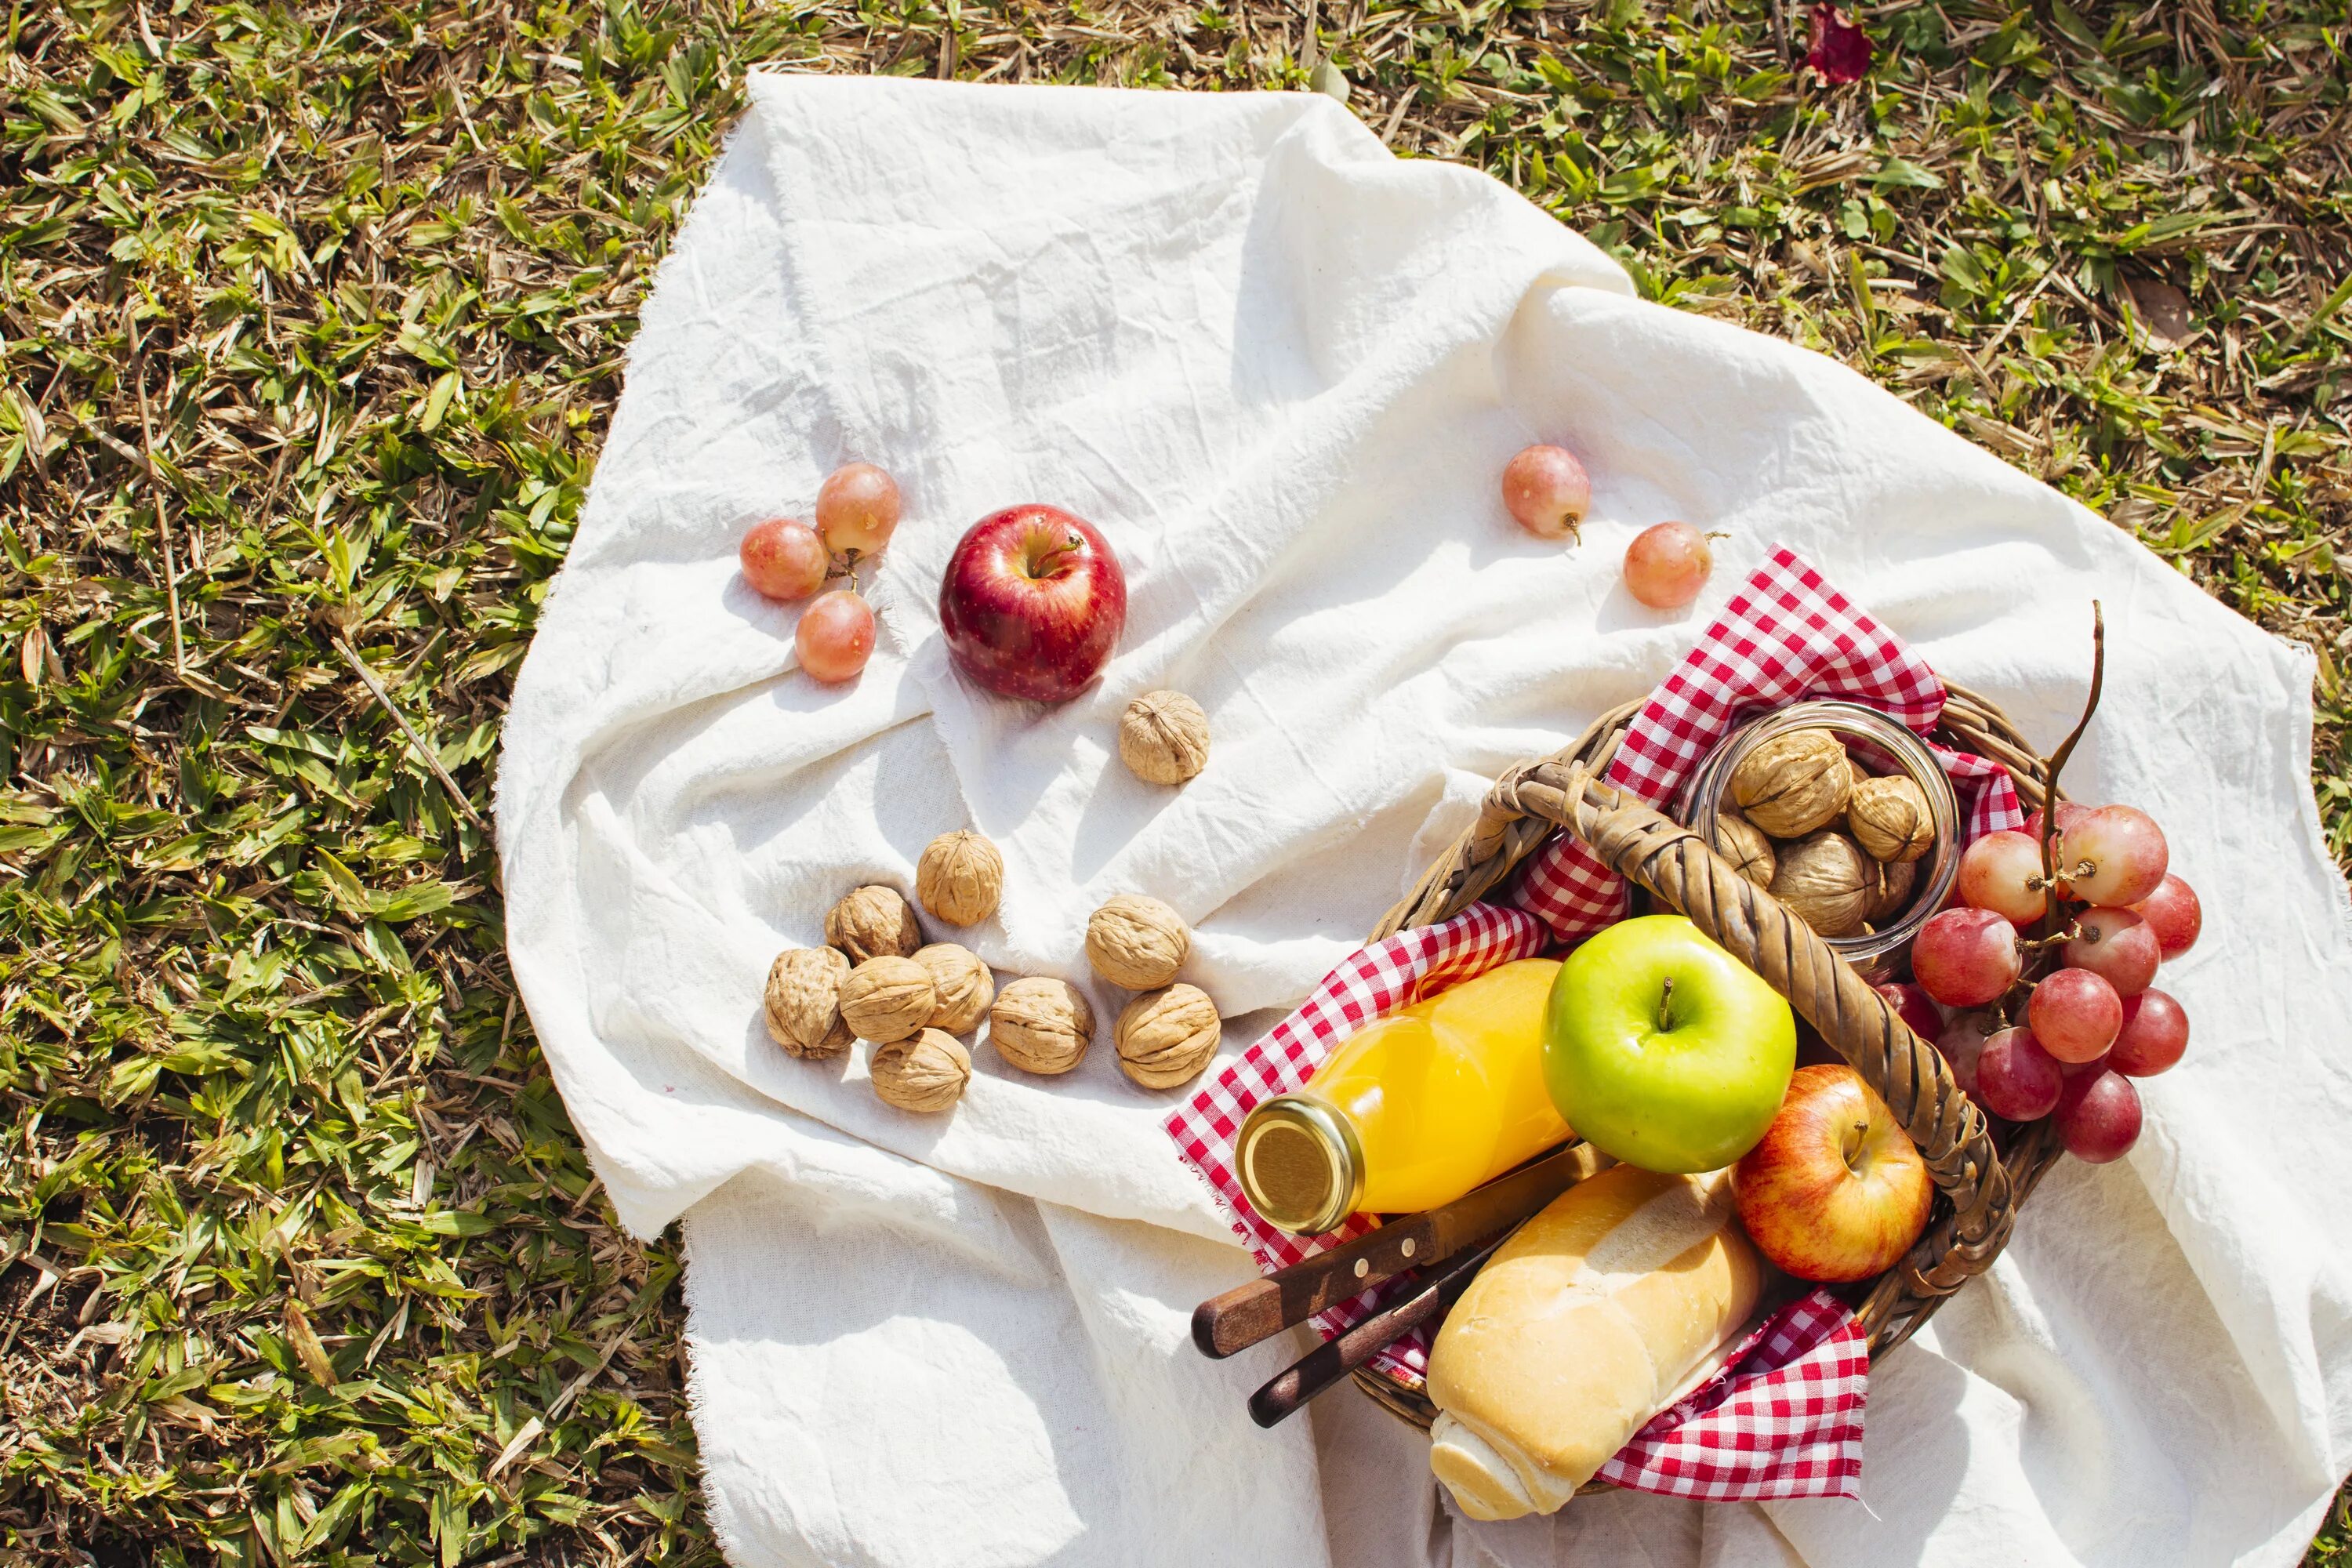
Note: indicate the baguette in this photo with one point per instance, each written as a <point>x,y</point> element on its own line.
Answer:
<point>1581,1328</point>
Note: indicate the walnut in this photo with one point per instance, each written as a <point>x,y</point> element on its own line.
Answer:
<point>804,1002</point>
<point>964,985</point>
<point>872,922</point>
<point>1891,886</point>
<point>1163,737</point>
<point>1743,843</point>
<point>887,998</point>
<point>1793,784</point>
<point>959,877</point>
<point>923,1072</point>
<point>1165,1037</point>
<point>1890,819</point>
<point>1136,942</point>
<point>1042,1024</point>
<point>1825,882</point>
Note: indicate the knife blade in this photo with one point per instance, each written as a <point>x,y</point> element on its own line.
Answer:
<point>1248,1313</point>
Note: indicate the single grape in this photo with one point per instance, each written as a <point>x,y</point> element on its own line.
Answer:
<point>2114,855</point>
<point>857,509</point>
<point>783,558</point>
<point>2117,944</point>
<point>2069,814</point>
<point>1962,1043</point>
<point>1546,491</point>
<point>1915,1007</point>
<point>2098,1117</point>
<point>836,635</point>
<point>1667,565</point>
<point>2172,912</point>
<point>2017,1079</point>
<point>2076,1014</point>
<point>1965,958</point>
<point>1997,872</point>
<point>2154,1036</point>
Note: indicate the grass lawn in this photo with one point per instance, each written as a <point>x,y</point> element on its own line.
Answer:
<point>311,316</point>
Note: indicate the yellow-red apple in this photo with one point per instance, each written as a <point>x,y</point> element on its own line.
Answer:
<point>1835,1190</point>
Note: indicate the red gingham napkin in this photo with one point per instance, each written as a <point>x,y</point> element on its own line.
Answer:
<point>1783,1419</point>
<point>1786,636</point>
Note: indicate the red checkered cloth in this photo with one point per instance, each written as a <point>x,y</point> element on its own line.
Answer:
<point>1783,1419</point>
<point>1786,636</point>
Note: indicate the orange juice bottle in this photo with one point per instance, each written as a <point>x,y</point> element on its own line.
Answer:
<point>1412,1112</point>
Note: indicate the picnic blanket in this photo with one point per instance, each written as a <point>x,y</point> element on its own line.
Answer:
<point>1281,371</point>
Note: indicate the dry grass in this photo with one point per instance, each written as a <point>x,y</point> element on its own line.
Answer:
<point>311,319</point>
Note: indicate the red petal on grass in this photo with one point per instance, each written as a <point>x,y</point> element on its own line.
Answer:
<point>1841,50</point>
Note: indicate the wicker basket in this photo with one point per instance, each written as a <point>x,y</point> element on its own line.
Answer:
<point>1980,1186</point>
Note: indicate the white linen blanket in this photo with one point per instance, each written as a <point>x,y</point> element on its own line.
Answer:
<point>1282,370</point>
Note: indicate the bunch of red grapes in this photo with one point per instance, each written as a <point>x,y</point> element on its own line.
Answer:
<point>2090,1022</point>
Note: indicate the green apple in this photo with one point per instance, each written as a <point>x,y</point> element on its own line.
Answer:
<point>1663,1049</point>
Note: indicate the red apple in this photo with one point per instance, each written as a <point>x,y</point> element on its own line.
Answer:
<point>1033,603</point>
<point>1836,1190</point>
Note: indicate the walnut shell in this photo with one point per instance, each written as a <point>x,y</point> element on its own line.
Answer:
<point>924,1072</point>
<point>1165,1037</point>
<point>1743,843</point>
<point>872,922</point>
<point>1892,883</point>
<point>1136,942</point>
<point>1889,818</point>
<point>1825,881</point>
<point>1042,1024</point>
<point>887,998</point>
<point>959,877</point>
<point>1163,737</point>
<point>804,1002</point>
<point>1793,784</point>
<point>964,985</point>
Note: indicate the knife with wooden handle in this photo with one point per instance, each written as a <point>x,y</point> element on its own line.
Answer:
<point>1248,1313</point>
<point>1285,1392</point>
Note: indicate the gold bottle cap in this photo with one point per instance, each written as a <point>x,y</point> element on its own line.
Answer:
<point>1300,1164</point>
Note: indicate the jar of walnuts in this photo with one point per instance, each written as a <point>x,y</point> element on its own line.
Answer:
<point>1839,812</point>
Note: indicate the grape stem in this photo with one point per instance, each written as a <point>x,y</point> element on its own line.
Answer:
<point>2057,764</point>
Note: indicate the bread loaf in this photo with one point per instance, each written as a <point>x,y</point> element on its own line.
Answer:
<point>1580,1330</point>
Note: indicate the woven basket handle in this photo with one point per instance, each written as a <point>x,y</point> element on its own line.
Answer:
<point>1649,848</point>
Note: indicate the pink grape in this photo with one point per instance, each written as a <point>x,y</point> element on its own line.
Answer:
<point>2016,1077</point>
<point>1998,873</point>
<point>1915,1007</point>
<point>2098,1117</point>
<point>1965,958</point>
<point>2117,944</point>
<point>783,558</point>
<point>2076,1014</point>
<point>1667,565</point>
<point>2114,855</point>
<point>2155,1035</point>
<point>1962,1042</point>
<point>2172,912</point>
<point>836,635</point>
<point>1546,491</point>
<point>2069,814</point>
<point>857,509</point>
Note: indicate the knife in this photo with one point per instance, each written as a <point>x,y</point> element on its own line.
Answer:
<point>1248,1313</point>
<point>1289,1389</point>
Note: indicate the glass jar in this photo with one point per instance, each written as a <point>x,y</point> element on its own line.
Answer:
<point>1699,808</point>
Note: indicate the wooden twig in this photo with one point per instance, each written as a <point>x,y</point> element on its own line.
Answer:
<point>156,490</point>
<point>2058,763</point>
<point>432,758</point>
